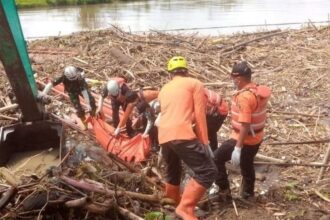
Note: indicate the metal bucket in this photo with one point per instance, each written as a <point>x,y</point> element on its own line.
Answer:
<point>22,137</point>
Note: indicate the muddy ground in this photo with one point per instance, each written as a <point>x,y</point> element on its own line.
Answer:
<point>294,63</point>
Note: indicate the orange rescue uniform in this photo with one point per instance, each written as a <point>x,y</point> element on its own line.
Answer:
<point>183,103</point>
<point>147,96</point>
<point>215,103</point>
<point>248,106</point>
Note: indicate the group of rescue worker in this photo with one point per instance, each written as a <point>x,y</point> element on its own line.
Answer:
<point>188,117</point>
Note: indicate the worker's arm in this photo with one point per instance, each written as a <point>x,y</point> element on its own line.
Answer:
<point>87,99</point>
<point>127,113</point>
<point>200,115</point>
<point>100,105</point>
<point>101,100</point>
<point>236,155</point>
<point>246,105</point>
<point>50,85</point>
<point>150,95</point>
<point>157,120</point>
<point>58,80</point>
<point>150,123</point>
<point>243,132</point>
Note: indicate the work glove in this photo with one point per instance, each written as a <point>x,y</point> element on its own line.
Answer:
<point>89,108</point>
<point>145,135</point>
<point>117,131</point>
<point>209,151</point>
<point>98,111</point>
<point>236,156</point>
<point>43,98</point>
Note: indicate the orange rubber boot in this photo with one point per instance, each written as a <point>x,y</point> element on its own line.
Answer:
<point>172,192</point>
<point>191,195</point>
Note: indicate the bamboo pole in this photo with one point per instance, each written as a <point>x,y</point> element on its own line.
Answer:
<point>9,107</point>
<point>270,159</point>
<point>300,142</point>
<point>325,159</point>
<point>293,164</point>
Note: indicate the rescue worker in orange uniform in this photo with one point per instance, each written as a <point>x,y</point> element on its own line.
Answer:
<point>248,112</point>
<point>182,104</point>
<point>216,113</point>
<point>116,89</point>
<point>140,100</point>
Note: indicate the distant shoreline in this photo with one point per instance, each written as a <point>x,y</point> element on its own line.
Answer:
<point>52,3</point>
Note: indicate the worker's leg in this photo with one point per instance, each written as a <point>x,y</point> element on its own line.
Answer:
<point>172,173</point>
<point>154,138</point>
<point>247,169</point>
<point>195,156</point>
<point>74,97</point>
<point>129,128</point>
<point>214,123</point>
<point>221,156</point>
<point>92,103</point>
<point>115,112</point>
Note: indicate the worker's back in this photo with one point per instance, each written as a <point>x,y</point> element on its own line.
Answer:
<point>177,109</point>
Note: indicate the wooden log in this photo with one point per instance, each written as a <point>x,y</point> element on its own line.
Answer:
<point>270,159</point>
<point>7,197</point>
<point>129,214</point>
<point>80,60</point>
<point>9,107</point>
<point>96,209</point>
<point>325,159</point>
<point>124,59</point>
<point>76,202</point>
<point>243,44</point>
<point>9,177</point>
<point>299,142</point>
<point>318,193</point>
<point>294,164</point>
<point>132,169</point>
<point>8,117</point>
<point>296,113</point>
<point>100,188</point>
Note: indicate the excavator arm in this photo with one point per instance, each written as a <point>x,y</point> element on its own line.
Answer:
<point>15,60</point>
<point>34,132</point>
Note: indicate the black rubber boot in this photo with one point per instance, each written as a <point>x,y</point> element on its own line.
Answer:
<point>247,189</point>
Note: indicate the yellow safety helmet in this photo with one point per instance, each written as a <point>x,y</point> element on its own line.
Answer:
<point>176,62</point>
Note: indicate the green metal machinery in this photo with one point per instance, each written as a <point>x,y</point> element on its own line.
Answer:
<point>35,131</point>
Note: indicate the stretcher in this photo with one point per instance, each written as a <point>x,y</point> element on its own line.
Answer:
<point>133,150</point>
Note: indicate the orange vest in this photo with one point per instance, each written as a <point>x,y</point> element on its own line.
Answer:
<point>258,117</point>
<point>215,103</point>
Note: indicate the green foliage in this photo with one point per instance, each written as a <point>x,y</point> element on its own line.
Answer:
<point>38,3</point>
<point>30,3</point>
<point>289,193</point>
<point>156,216</point>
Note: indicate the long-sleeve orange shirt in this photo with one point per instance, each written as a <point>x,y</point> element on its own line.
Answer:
<point>183,104</point>
<point>247,103</point>
<point>148,96</point>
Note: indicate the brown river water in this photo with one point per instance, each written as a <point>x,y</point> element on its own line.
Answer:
<point>208,17</point>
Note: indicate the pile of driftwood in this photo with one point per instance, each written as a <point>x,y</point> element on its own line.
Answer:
<point>294,63</point>
<point>87,184</point>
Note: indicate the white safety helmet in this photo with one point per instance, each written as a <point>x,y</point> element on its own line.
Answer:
<point>113,88</point>
<point>71,73</point>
